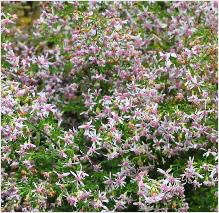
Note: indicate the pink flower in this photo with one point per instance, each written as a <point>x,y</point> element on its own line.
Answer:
<point>95,138</point>
<point>119,181</point>
<point>61,176</point>
<point>98,204</point>
<point>83,195</point>
<point>62,154</point>
<point>79,176</point>
<point>87,127</point>
<point>109,181</point>
<point>93,150</point>
<point>72,200</point>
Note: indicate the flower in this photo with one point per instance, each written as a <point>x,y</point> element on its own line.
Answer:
<point>63,175</point>
<point>95,138</point>
<point>119,181</point>
<point>87,127</point>
<point>109,181</point>
<point>72,200</point>
<point>79,176</point>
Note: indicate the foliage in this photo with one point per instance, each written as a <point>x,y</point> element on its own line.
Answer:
<point>109,106</point>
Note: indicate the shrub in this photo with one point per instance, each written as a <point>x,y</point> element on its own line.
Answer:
<point>109,106</point>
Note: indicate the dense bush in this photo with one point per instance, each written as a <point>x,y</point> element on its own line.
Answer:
<point>109,106</point>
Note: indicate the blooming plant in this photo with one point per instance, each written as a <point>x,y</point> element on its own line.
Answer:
<point>109,106</point>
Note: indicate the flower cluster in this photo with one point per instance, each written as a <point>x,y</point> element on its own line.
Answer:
<point>109,106</point>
